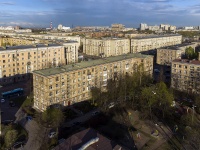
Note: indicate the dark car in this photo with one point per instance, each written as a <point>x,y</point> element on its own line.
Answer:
<point>18,145</point>
<point>12,104</point>
<point>29,118</point>
<point>7,122</point>
<point>77,123</point>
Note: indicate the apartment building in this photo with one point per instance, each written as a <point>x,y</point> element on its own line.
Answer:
<point>15,41</point>
<point>167,54</point>
<point>117,27</point>
<point>18,61</point>
<point>186,75</point>
<point>42,36</point>
<point>141,44</point>
<point>72,83</point>
<point>106,47</point>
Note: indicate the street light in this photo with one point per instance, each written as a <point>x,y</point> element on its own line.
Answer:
<point>193,106</point>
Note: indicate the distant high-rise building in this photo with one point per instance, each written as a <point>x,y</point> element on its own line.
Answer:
<point>51,26</point>
<point>143,26</point>
<point>60,27</point>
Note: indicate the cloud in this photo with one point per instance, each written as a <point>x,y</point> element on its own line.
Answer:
<point>100,12</point>
<point>7,3</point>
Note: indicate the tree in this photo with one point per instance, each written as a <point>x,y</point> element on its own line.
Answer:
<point>190,53</point>
<point>10,137</point>
<point>165,98</point>
<point>95,94</point>
<point>52,117</point>
<point>149,96</point>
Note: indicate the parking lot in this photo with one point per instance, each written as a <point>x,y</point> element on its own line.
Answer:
<point>8,112</point>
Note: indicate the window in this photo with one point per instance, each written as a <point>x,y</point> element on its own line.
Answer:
<point>50,87</point>
<point>4,61</point>
<point>56,85</point>
<point>127,66</point>
<point>63,83</point>
<point>57,79</point>
<point>50,93</point>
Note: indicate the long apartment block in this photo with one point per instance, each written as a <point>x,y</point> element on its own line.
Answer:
<point>141,44</point>
<point>72,83</point>
<point>106,47</point>
<point>15,41</point>
<point>166,55</point>
<point>42,36</point>
<point>186,75</point>
<point>17,62</point>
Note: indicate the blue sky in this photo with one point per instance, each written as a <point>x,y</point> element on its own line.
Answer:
<point>36,13</point>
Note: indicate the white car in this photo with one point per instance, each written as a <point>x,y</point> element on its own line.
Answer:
<point>111,105</point>
<point>3,100</point>
<point>52,134</point>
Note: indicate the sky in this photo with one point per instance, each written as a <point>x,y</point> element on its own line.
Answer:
<point>39,13</point>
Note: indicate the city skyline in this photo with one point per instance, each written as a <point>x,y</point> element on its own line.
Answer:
<point>39,13</point>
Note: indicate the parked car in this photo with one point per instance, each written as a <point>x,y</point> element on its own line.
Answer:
<point>3,100</point>
<point>18,145</point>
<point>80,112</point>
<point>111,105</point>
<point>156,71</point>
<point>29,118</point>
<point>52,134</point>
<point>7,122</point>
<point>95,113</point>
<point>12,104</point>
<point>76,123</point>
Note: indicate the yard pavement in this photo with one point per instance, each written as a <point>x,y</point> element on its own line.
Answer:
<point>147,140</point>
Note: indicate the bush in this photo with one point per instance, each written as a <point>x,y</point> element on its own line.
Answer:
<point>52,117</point>
<point>10,137</point>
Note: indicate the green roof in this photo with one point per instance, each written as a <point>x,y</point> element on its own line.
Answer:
<point>86,64</point>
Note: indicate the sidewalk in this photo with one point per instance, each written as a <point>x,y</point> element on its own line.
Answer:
<point>36,134</point>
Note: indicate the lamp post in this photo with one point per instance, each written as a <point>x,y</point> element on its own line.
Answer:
<point>193,106</point>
